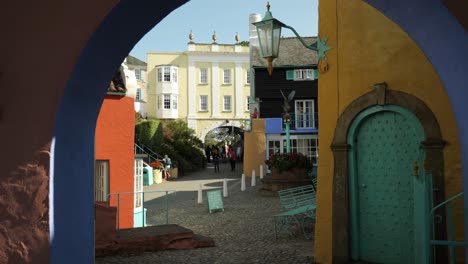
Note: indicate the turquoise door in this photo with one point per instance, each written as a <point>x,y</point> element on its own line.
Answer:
<point>385,195</point>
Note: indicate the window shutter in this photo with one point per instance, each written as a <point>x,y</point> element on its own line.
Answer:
<point>290,75</point>
<point>315,74</point>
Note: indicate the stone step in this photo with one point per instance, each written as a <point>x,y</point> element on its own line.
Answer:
<point>152,238</point>
<point>197,241</point>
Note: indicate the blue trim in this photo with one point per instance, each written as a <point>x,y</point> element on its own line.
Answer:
<point>445,47</point>
<point>71,196</point>
<point>275,126</point>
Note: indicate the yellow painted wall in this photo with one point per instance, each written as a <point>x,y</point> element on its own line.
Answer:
<point>203,89</point>
<point>227,89</point>
<point>204,118</point>
<point>177,59</point>
<point>368,48</point>
<point>254,148</point>
<point>203,47</point>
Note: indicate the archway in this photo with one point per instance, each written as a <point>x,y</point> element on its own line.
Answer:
<point>125,25</point>
<point>433,146</point>
<point>71,187</point>
<point>236,125</point>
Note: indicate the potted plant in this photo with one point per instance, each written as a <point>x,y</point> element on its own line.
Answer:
<point>157,166</point>
<point>289,165</point>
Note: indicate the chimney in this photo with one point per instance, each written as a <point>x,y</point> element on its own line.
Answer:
<point>253,38</point>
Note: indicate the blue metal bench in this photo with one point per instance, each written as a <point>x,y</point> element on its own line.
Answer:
<point>300,205</point>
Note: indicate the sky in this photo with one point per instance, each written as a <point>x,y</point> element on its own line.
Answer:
<point>203,17</point>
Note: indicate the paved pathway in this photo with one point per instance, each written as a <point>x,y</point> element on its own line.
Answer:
<point>243,233</point>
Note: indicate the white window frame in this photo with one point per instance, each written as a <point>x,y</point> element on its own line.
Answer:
<point>247,77</point>
<point>137,74</point>
<point>305,144</point>
<point>101,180</point>
<point>273,146</point>
<point>303,74</point>
<point>247,106</point>
<point>166,98</point>
<point>166,73</point>
<point>159,70</point>
<point>203,76</point>
<point>203,103</point>
<point>143,75</point>
<point>174,72</point>
<point>138,185</point>
<point>304,118</point>
<point>174,101</point>
<point>227,76</point>
<point>227,102</point>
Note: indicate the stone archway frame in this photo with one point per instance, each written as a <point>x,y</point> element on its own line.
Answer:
<point>433,145</point>
<point>214,125</point>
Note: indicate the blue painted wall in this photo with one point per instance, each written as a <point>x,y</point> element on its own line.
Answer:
<point>275,126</point>
<point>72,190</point>
<point>445,43</point>
<point>139,218</point>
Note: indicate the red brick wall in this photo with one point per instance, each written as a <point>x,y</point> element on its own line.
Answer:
<point>115,132</point>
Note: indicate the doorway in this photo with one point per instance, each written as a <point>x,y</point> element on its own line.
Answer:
<point>384,195</point>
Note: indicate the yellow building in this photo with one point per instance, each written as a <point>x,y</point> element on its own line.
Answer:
<point>385,122</point>
<point>206,86</point>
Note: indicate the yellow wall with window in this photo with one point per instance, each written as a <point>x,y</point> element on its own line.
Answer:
<point>164,58</point>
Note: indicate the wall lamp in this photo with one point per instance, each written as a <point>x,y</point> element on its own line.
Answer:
<point>269,35</point>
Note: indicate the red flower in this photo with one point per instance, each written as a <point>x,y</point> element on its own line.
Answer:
<point>157,164</point>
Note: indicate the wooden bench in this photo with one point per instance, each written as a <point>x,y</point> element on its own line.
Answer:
<point>299,203</point>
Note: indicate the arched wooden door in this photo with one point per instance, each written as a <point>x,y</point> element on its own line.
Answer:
<point>387,197</point>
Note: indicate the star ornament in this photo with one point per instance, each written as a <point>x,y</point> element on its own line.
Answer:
<point>322,47</point>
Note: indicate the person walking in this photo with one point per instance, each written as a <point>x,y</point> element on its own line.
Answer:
<point>167,165</point>
<point>216,157</point>
<point>208,154</point>
<point>223,154</point>
<point>239,152</point>
<point>232,157</point>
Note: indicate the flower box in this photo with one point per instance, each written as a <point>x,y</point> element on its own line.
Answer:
<point>157,176</point>
<point>291,174</point>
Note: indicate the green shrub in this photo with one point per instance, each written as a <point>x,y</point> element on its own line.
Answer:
<point>175,139</point>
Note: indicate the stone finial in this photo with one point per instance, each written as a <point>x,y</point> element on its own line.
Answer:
<point>191,36</point>
<point>237,37</point>
<point>214,37</point>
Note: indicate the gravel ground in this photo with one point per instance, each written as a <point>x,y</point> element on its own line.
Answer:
<point>243,232</point>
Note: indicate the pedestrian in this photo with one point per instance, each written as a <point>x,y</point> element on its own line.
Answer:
<point>208,154</point>
<point>255,113</point>
<point>232,157</point>
<point>239,152</point>
<point>216,157</point>
<point>223,154</point>
<point>226,150</point>
<point>167,165</point>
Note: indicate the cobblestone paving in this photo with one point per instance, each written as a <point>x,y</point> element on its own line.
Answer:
<point>243,233</point>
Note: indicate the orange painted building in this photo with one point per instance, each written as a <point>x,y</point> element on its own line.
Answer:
<point>115,132</point>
